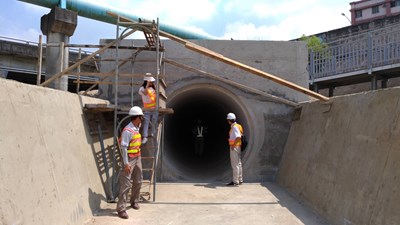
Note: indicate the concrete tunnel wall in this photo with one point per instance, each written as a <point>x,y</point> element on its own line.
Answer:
<point>50,170</point>
<point>342,158</point>
<point>266,122</point>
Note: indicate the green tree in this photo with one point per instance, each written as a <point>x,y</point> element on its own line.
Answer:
<point>314,43</point>
<point>321,57</point>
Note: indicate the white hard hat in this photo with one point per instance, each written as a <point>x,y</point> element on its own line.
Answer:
<point>149,77</point>
<point>135,111</point>
<point>231,116</point>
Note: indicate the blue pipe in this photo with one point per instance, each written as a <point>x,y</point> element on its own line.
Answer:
<point>91,10</point>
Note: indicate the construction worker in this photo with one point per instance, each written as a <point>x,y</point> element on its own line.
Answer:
<point>148,93</point>
<point>131,173</point>
<point>235,134</point>
<point>200,130</point>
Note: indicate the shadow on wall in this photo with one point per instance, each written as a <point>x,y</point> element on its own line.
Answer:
<point>94,201</point>
<point>99,134</point>
<point>95,205</point>
<point>294,206</point>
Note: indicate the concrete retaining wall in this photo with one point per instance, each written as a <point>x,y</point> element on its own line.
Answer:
<point>48,161</point>
<point>342,159</point>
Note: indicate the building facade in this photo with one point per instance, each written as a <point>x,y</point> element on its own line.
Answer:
<point>368,10</point>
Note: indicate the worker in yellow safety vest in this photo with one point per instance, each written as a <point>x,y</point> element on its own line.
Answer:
<point>131,175</point>
<point>148,93</point>
<point>235,143</point>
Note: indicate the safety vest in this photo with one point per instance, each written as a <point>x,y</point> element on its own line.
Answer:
<point>150,101</point>
<point>134,143</point>
<point>232,142</point>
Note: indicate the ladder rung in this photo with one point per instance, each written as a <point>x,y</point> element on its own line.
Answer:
<point>147,169</point>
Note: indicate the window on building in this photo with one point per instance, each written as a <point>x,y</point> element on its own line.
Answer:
<point>358,13</point>
<point>375,9</point>
<point>394,3</point>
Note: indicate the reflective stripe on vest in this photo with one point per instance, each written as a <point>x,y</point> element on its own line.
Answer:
<point>232,142</point>
<point>152,96</point>
<point>134,144</point>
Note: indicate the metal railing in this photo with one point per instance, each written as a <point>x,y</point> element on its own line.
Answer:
<point>356,53</point>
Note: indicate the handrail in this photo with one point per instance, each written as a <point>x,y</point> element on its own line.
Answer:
<point>358,53</point>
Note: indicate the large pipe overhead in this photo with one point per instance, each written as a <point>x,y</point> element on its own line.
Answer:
<point>96,11</point>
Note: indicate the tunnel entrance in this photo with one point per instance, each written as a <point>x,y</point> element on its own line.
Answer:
<point>184,155</point>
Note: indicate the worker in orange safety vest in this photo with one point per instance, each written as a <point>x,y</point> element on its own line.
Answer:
<point>235,143</point>
<point>148,93</point>
<point>131,175</point>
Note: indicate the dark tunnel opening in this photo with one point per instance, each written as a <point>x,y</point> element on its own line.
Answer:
<point>212,161</point>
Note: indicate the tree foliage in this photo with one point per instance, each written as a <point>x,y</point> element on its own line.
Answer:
<point>314,43</point>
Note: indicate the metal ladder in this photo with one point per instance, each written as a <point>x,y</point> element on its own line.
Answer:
<point>149,161</point>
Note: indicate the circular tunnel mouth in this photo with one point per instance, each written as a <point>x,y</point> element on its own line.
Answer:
<point>200,158</point>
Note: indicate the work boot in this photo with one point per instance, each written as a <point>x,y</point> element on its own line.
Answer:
<point>232,184</point>
<point>123,215</point>
<point>135,205</point>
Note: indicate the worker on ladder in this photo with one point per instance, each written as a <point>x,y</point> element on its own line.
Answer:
<point>148,93</point>
<point>131,175</point>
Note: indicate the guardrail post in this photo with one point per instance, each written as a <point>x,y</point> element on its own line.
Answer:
<point>369,44</point>
<point>374,82</point>
<point>311,67</point>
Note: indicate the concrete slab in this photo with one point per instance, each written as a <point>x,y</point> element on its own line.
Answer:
<point>215,203</point>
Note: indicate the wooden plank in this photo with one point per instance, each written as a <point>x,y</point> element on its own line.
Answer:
<point>255,71</point>
<point>109,74</point>
<point>40,58</point>
<point>162,95</point>
<point>162,82</point>
<point>241,86</point>
<point>219,57</point>
<point>166,110</point>
<point>93,74</point>
<point>87,58</point>
<point>163,110</point>
<point>98,108</point>
<point>172,37</point>
<point>121,18</point>
<point>96,105</point>
<point>112,47</point>
<point>104,78</point>
<point>107,82</point>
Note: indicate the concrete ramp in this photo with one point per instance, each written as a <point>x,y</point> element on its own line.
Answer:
<point>215,203</point>
<point>342,159</point>
<point>48,160</point>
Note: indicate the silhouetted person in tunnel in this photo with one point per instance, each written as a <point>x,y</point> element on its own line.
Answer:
<point>235,143</point>
<point>199,131</point>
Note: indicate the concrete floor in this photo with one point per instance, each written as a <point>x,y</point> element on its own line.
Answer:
<point>214,203</point>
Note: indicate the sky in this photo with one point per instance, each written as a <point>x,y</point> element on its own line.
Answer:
<point>272,20</point>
